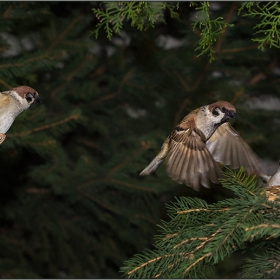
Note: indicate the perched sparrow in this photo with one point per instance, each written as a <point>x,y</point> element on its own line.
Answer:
<point>12,103</point>
<point>273,186</point>
<point>200,143</point>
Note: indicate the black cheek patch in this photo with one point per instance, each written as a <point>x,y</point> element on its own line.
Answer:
<point>29,97</point>
<point>215,113</point>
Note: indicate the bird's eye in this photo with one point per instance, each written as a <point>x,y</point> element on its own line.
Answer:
<point>223,109</point>
<point>215,113</point>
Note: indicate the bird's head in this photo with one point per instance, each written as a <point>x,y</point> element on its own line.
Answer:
<point>209,117</point>
<point>221,111</point>
<point>25,95</point>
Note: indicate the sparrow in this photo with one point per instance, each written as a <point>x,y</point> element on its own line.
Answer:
<point>12,103</point>
<point>201,144</point>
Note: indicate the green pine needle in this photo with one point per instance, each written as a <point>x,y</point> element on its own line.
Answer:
<point>200,235</point>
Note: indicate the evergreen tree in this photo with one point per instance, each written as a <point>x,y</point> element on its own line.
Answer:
<point>232,34</point>
<point>72,201</point>
<point>199,235</point>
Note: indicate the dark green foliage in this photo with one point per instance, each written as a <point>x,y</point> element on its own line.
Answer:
<point>265,265</point>
<point>72,201</point>
<point>199,235</point>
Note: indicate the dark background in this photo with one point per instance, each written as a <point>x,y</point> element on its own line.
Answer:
<point>71,202</point>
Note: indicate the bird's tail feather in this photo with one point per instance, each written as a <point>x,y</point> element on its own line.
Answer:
<point>157,160</point>
<point>151,167</point>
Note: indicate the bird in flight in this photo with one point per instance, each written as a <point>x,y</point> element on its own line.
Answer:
<point>201,143</point>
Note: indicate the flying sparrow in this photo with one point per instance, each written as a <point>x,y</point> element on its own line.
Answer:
<point>201,143</point>
<point>12,103</point>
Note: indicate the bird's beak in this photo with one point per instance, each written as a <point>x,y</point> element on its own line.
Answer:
<point>228,115</point>
<point>231,114</point>
<point>37,99</point>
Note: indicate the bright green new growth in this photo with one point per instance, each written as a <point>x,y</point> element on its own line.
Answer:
<point>200,235</point>
<point>141,14</point>
<point>269,27</point>
<point>144,15</point>
<point>211,30</point>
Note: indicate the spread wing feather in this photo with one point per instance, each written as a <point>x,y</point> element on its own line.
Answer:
<point>189,161</point>
<point>227,147</point>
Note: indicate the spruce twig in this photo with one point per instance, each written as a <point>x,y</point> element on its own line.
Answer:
<point>199,237</point>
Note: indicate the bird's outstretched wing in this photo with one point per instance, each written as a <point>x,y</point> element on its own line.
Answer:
<point>189,161</point>
<point>227,147</point>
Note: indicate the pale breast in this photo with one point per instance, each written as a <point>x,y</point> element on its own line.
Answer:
<point>9,109</point>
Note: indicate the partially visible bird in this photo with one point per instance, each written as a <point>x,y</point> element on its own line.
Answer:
<point>2,138</point>
<point>273,185</point>
<point>201,143</point>
<point>12,103</point>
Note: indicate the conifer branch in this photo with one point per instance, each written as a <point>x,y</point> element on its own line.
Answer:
<point>5,84</point>
<point>125,161</point>
<point>263,266</point>
<point>141,14</point>
<point>37,191</point>
<point>105,98</point>
<point>131,186</point>
<point>196,262</point>
<point>44,143</point>
<point>79,67</point>
<point>32,59</point>
<point>70,187</point>
<point>197,82</point>
<point>239,49</point>
<point>201,210</point>
<point>44,127</point>
<point>65,32</point>
<point>211,30</point>
<point>205,242</point>
<point>191,239</point>
<point>124,79</point>
<point>228,19</point>
<point>261,226</point>
<point>147,263</point>
<point>6,13</point>
<point>269,26</point>
<point>98,201</point>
